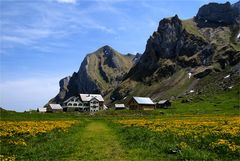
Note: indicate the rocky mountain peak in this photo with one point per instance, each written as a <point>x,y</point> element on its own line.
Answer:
<point>99,72</point>
<point>167,22</point>
<point>237,5</point>
<point>107,50</point>
<point>217,14</point>
<point>163,42</point>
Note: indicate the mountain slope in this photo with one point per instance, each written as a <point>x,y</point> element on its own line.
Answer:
<point>204,46</point>
<point>100,72</point>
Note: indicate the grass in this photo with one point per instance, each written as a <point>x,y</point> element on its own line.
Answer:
<point>182,137</point>
<point>26,116</point>
<point>98,142</point>
<point>54,145</point>
<point>172,86</point>
<point>191,27</point>
<point>143,144</point>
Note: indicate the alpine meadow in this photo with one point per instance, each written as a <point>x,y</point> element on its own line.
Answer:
<point>178,100</point>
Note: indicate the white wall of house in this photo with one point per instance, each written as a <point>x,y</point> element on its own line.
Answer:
<point>78,104</point>
<point>94,105</point>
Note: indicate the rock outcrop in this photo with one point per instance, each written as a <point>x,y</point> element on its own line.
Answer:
<point>169,47</point>
<point>215,14</point>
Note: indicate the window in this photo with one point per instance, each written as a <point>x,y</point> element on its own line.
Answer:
<point>94,102</point>
<point>69,104</point>
<point>75,104</point>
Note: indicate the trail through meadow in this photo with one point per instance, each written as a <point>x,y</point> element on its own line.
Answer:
<point>98,142</point>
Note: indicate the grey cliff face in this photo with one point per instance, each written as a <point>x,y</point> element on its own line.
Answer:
<point>110,60</point>
<point>63,83</point>
<point>164,42</point>
<point>171,46</point>
<point>237,5</point>
<point>215,14</point>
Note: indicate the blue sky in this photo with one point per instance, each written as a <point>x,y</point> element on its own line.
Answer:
<point>42,41</point>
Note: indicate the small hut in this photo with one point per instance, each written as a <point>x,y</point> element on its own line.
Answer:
<point>119,107</point>
<point>163,104</point>
<point>54,108</point>
<point>141,103</point>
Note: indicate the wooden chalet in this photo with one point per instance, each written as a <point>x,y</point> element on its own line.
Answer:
<point>141,103</point>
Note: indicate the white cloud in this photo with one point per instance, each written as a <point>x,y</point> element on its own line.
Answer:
<point>15,39</point>
<point>67,1</point>
<point>50,21</point>
<point>28,93</point>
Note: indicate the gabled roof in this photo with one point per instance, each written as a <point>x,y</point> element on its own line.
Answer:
<point>119,106</point>
<point>69,99</point>
<point>143,100</point>
<point>88,97</point>
<point>162,101</point>
<point>55,106</point>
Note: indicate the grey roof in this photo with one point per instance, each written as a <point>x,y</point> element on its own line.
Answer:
<point>88,97</point>
<point>55,106</point>
<point>162,101</point>
<point>67,100</point>
<point>119,106</point>
<point>143,100</point>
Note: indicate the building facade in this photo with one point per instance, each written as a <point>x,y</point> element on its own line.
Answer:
<point>84,102</point>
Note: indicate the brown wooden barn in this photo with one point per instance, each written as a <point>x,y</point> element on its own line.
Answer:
<point>141,103</point>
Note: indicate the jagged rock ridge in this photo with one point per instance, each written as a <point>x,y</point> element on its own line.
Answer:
<point>202,45</point>
<point>172,46</point>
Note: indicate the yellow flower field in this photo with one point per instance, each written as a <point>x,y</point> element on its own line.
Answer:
<point>32,128</point>
<point>220,132</point>
<point>7,158</point>
<point>10,131</point>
